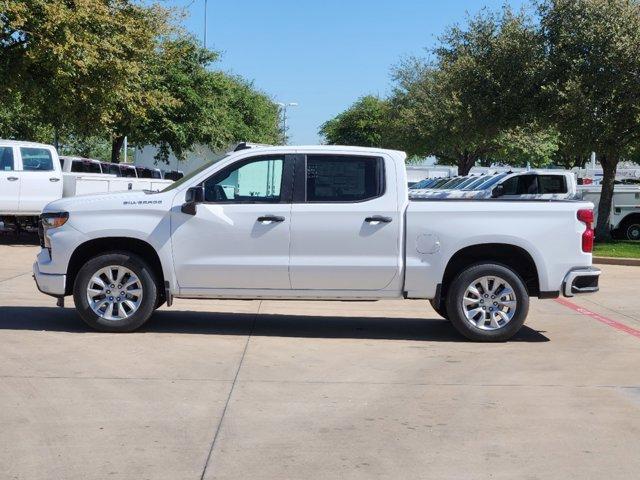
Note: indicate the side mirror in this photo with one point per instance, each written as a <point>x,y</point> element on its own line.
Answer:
<point>497,192</point>
<point>193,196</point>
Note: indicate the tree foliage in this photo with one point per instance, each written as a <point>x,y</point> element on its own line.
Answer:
<point>365,123</point>
<point>82,71</point>
<point>594,81</point>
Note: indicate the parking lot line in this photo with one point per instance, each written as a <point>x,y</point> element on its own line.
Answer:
<point>600,318</point>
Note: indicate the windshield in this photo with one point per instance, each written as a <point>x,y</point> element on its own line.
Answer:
<point>491,182</point>
<point>197,171</point>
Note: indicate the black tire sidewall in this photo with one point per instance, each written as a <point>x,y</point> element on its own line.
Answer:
<point>149,295</point>
<point>627,230</point>
<point>456,292</point>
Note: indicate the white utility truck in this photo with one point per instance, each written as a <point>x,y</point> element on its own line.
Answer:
<point>624,221</point>
<point>321,222</point>
<point>32,175</point>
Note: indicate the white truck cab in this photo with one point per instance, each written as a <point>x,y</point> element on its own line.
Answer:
<point>30,177</point>
<point>318,222</point>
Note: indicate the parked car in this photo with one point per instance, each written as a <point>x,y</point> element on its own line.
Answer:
<point>624,221</point>
<point>323,223</point>
<point>541,185</point>
<point>32,175</point>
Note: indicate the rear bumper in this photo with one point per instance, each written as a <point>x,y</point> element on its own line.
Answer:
<point>51,284</point>
<point>581,280</point>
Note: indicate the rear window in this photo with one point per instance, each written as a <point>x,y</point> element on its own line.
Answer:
<point>128,172</point>
<point>6,159</point>
<point>342,178</point>
<point>85,166</point>
<point>111,168</point>
<point>552,184</point>
<point>36,159</point>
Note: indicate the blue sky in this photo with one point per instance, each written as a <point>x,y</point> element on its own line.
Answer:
<point>322,54</point>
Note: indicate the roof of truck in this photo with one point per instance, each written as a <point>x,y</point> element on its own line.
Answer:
<point>324,148</point>
<point>22,143</point>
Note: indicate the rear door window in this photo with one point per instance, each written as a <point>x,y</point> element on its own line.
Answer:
<point>36,159</point>
<point>343,178</point>
<point>6,159</point>
<point>552,184</point>
<point>84,166</point>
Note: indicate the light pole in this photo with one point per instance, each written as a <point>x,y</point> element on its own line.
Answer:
<point>283,109</point>
<point>205,23</point>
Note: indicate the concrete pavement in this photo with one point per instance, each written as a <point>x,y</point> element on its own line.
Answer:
<point>316,390</point>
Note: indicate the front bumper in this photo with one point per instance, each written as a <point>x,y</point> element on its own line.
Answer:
<point>581,280</point>
<point>51,284</point>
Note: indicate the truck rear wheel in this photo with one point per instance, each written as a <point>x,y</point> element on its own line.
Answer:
<point>487,302</point>
<point>115,292</point>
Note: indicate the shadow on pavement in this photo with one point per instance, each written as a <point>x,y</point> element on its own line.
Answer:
<point>268,325</point>
<point>21,240</point>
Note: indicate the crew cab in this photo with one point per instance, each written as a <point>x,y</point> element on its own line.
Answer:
<point>323,223</point>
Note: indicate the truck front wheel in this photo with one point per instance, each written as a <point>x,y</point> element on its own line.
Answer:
<point>487,302</point>
<point>115,292</point>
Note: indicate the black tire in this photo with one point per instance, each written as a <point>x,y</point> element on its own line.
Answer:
<point>149,292</point>
<point>456,292</point>
<point>630,229</point>
<point>440,308</point>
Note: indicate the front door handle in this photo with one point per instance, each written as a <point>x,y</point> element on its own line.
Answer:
<point>12,179</point>
<point>270,218</point>
<point>378,219</point>
<point>54,179</point>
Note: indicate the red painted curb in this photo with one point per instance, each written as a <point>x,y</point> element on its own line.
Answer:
<point>607,321</point>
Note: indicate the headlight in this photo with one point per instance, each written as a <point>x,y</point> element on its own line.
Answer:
<point>48,221</point>
<point>54,220</point>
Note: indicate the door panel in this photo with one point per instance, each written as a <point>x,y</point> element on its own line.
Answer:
<point>239,238</point>
<point>333,246</point>
<point>225,246</point>
<point>9,181</point>
<point>41,184</point>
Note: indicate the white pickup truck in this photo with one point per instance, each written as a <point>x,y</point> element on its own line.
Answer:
<point>330,223</point>
<point>32,175</point>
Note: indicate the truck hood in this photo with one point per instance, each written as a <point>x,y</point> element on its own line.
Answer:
<point>110,201</point>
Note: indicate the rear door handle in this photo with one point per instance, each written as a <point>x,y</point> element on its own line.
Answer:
<point>54,179</point>
<point>378,219</point>
<point>12,179</point>
<point>270,218</point>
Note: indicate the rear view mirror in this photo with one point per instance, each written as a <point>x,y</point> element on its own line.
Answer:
<point>497,191</point>
<point>193,196</point>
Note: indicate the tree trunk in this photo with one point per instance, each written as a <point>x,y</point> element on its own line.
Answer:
<point>609,167</point>
<point>465,163</point>
<point>116,147</point>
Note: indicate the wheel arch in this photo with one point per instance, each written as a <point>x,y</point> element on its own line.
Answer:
<point>509,255</point>
<point>91,248</point>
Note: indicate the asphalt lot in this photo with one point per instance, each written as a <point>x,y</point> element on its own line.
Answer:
<point>315,390</point>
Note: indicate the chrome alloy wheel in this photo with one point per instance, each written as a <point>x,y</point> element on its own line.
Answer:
<point>489,303</point>
<point>114,293</point>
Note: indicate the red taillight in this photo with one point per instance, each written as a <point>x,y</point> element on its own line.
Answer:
<point>586,217</point>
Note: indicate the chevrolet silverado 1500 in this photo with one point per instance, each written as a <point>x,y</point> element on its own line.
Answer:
<point>330,223</point>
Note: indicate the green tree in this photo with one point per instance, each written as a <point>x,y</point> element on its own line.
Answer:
<point>365,124</point>
<point>484,81</point>
<point>594,67</point>
<point>527,145</point>
<point>79,64</point>
<point>200,106</point>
